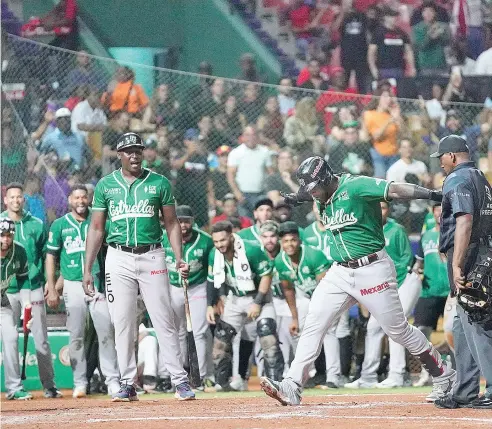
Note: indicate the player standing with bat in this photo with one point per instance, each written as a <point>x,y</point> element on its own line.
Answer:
<point>363,271</point>
<point>13,265</point>
<point>131,198</point>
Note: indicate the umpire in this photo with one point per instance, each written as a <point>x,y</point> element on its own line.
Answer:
<point>466,230</point>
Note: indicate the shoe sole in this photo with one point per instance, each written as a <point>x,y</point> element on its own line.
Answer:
<point>130,399</point>
<point>188,398</point>
<point>272,392</point>
<point>27,398</point>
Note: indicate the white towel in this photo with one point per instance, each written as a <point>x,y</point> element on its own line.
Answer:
<point>242,270</point>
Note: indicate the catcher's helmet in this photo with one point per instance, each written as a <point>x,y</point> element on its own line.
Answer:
<point>7,225</point>
<point>314,171</point>
<point>129,140</point>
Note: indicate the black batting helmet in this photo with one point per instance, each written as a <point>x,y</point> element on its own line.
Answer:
<point>314,171</point>
<point>7,225</point>
<point>129,140</point>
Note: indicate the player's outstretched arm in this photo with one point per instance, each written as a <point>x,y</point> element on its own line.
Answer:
<point>296,198</point>
<point>408,191</point>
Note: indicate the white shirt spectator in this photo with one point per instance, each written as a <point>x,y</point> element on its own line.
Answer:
<point>285,104</point>
<point>83,113</point>
<point>484,63</point>
<point>251,167</point>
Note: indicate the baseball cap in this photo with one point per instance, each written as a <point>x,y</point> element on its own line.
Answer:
<point>224,149</point>
<point>288,227</point>
<point>191,134</point>
<point>450,144</point>
<point>129,140</point>
<point>184,212</point>
<point>228,197</point>
<point>263,201</point>
<point>63,113</point>
<point>151,143</point>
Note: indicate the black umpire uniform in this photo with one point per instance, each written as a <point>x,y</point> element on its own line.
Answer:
<point>466,191</point>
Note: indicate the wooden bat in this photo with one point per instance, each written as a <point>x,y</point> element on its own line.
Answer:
<point>27,318</point>
<point>190,342</point>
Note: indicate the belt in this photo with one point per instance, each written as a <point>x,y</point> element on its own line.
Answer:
<point>137,250</point>
<point>357,263</point>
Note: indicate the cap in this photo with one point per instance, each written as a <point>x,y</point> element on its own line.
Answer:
<point>388,11</point>
<point>129,140</point>
<point>451,144</point>
<point>228,197</point>
<point>263,201</point>
<point>269,226</point>
<point>63,113</point>
<point>184,212</point>
<point>288,227</point>
<point>151,143</point>
<point>191,134</point>
<point>224,149</point>
<point>7,225</point>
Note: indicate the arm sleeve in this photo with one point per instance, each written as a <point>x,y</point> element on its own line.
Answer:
<point>370,188</point>
<point>167,197</point>
<point>210,273</point>
<point>461,200</point>
<point>99,203</point>
<point>212,294</point>
<point>22,276</point>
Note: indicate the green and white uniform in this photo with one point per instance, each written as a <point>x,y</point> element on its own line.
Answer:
<point>133,211</point>
<point>313,236</point>
<point>66,241</point>
<point>353,221</point>
<point>195,253</point>
<point>31,233</point>
<point>398,248</point>
<point>14,266</point>
<point>251,233</point>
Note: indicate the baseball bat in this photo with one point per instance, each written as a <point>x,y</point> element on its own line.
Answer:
<point>190,342</point>
<point>27,318</point>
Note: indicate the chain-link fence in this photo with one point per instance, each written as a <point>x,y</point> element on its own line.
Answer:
<point>192,125</point>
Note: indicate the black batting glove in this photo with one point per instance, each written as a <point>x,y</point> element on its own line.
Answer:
<point>290,199</point>
<point>436,196</point>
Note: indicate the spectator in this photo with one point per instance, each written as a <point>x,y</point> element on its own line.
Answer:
<point>484,62</point>
<point>351,155</point>
<point>118,125</point>
<point>162,110</point>
<point>229,210</point>
<point>220,186</point>
<point>69,146</point>
<point>346,113</point>
<point>456,91</point>
<point>250,105</point>
<point>213,102</point>
<point>247,168</point>
<point>14,162</point>
<point>45,127</point>
<point>382,120</point>
<point>76,96</point>
<point>249,71</point>
<point>302,130</point>
<point>193,176</point>
<point>315,80</point>
<point>353,44</point>
<point>430,40</point>
<point>390,50</point>
<point>325,69</point>
<point>232,118</point>
<point>34,201</point>
<point>87,116</point>
<point>154,162</point>
<point>270,125</point>
<point>285,100</point>
<point>64,14</point>
<point>220,134</point>
<point>468,20</point>
<point>204,130</point>
<point>442,14</point>
<point>458,57</point>
<point>84,74</point>
<point>433,107</point>
<point>124,94</point>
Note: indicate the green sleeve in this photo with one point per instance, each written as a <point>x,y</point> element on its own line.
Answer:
<point>99,203</point>
<point>319,262</point>
<point>370,188</point>
<point>211,255</point>
<point>167,197</point>
<point>419,36</point>
<point>404,248</point>
<point>22,276</point>
<point>55,238</point>
<point>260,264</point>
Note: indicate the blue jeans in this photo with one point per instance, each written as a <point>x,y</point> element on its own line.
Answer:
<point>381,163</point>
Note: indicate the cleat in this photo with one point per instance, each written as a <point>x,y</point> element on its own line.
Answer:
<point>283,391</point>
<point>442,385</point>
<point>360,384</point>
<point>449,403</point>
<point>238,384</point>
<point>79,392</point>
<point>127,393</point>
<point>52,393</point>
<point>20,395</point>
<point>389,383</point>
<point>184,392</point>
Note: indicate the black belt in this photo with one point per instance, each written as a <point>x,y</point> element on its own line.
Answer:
<point>357,263</point>
<point>137,250</point>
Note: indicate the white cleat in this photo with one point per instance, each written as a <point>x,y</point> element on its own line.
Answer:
<point>360,384</point>
<point>79,392</point>
<point>389,383</point>
<point>238,384</point>
<point>442,385</point>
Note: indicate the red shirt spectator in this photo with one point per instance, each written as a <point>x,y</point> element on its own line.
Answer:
<point>300,18</point>
<point>246,222</point>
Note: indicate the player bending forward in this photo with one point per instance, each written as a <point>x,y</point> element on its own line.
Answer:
<point>362,272</point>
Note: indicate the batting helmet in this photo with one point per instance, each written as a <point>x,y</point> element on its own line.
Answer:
<point>314,171</point>
<point>129,140</point>
<point>7,225</point>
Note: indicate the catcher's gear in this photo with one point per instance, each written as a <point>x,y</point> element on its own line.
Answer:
<point>7,225</point>
<point>222,353</point>
<point>476,299</point>
<point>269,342</point>
<point>314,171</point>
<point>129,140</point>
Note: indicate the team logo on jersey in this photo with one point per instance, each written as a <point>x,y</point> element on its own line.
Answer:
<point>124,211</point>
<point>339,220</point>
<point>343,196</point>
<point>74,245</point>
<point>67,230</point>
<point>198,253</point>
<point>430,246</point>
<point>112,191</point>
<point>151,189</point>
<point>305,270</point>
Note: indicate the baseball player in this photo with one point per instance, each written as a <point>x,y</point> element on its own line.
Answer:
<point>300,268</point>
<point>397,246</point>
<point>131,199</point>
<point>362,271</point>
<point>263,211</point>
<point>13,265</point>
<point>31,233</point>
<point>241,268</point>
<point>196,248</point>
<point>435,291</point>
<point>66,246</point>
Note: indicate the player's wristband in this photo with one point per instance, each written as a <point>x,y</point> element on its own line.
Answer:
<point>212,294</point>
<point>259,298</point>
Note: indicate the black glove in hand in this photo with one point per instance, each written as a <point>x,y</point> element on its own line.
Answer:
<point>290,199</point>
<point>436,196</point>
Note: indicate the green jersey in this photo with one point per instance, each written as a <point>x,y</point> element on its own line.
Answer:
<point>352,217</point>
<point>312,262</point>
<point>252,234</point>
<point>14,266</point>
<point>429,222</point>
<point>31,233</point>
<point>133,209</point>
<point>398,248</point>
<point>259,264</point>
<point>315,237</point>
<point>436,282</point>
<point>195,253</point>
<point>66,240</point>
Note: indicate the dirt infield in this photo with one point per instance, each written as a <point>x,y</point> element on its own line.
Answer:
<point>242,411</point>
